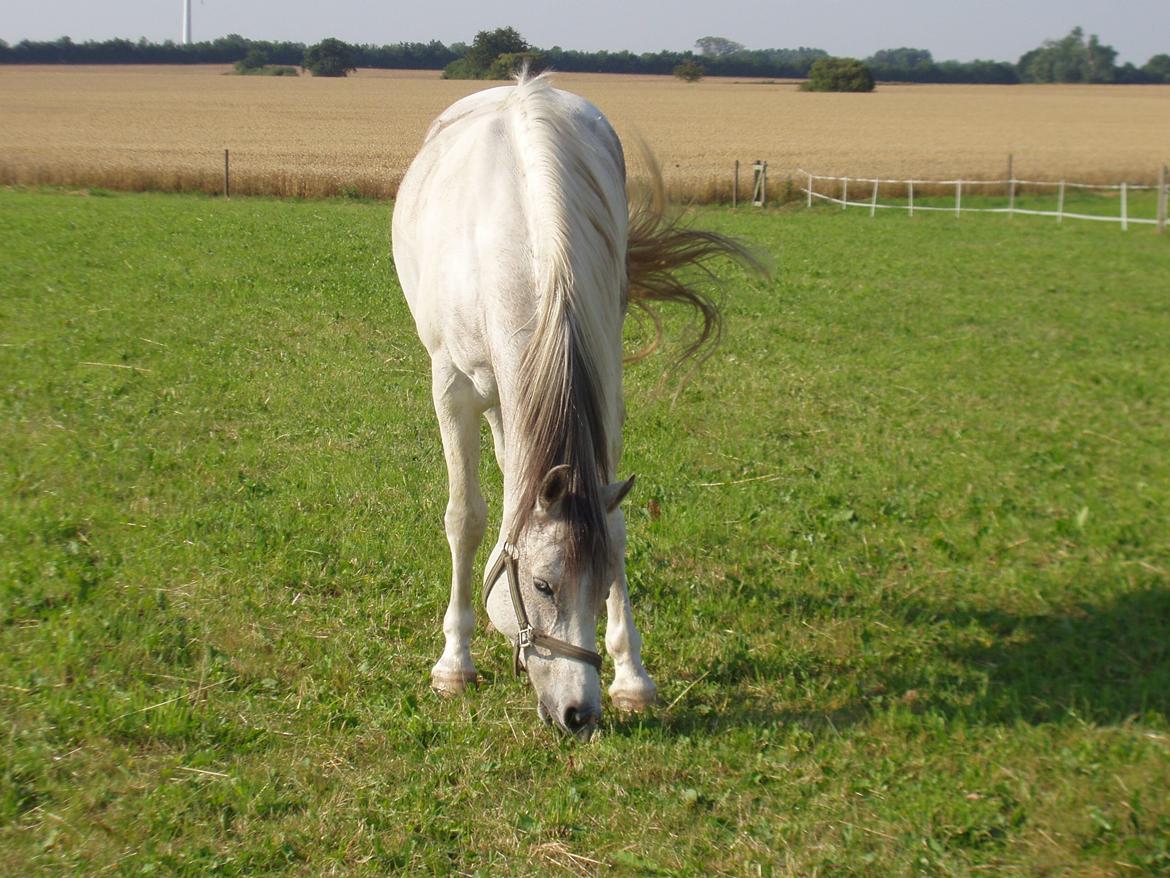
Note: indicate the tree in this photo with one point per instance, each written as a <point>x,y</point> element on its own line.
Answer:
<point>690,70</point>
<point>330,57</point>
<point>490,45</point>
<point>1070,59</point>
<point>1158,68</point>
<point>509,64</point>
<point>496,54</point>
<point>904,65</point>
<point>839,74</point>
<point>717,47</point>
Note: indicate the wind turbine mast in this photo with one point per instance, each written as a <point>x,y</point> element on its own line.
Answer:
<point>186,22</point>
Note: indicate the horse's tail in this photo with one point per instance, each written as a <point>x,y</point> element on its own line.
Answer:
<point>664,257</point>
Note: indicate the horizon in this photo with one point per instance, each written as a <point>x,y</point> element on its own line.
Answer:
<point>999,30</point>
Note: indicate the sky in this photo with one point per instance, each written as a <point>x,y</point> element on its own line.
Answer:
<point>1000,30</point>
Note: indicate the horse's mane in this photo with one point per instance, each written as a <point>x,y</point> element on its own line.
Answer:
<point>569,374</point>
<point>594,254</point>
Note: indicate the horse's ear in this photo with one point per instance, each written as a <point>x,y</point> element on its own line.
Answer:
<point>616,493</point>
<point>553,488</point>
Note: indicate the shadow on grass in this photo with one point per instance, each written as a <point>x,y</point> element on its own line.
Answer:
<point>1104,664</point>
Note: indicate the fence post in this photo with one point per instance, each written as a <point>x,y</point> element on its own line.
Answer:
<point>1011,189</point>
<point>958,197</point>
<point>844,192</point>
<point>911,198</point>
<point>1162,195</point>
<point>873,199</point>
<point>810,185</point>
<point>735,187</point>
<point>1124,208</point>
<point>1060,204</point>
<point>227,189</point>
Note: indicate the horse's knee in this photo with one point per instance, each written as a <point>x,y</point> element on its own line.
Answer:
<point>466,521</point>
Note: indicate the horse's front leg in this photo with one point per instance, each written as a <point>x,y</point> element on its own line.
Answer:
<point>465,520</point>
<point>632,688</point>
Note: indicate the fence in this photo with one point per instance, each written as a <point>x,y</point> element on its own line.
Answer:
<point>1011,185</point>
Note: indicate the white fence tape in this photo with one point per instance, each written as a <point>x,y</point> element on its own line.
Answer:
<point>870,205</point>
<point>809,189</point>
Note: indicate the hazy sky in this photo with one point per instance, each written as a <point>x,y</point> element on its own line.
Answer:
<point>996,29</point>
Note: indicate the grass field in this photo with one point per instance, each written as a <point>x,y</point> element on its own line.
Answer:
<point>165,128</point>
<point>900,557</point>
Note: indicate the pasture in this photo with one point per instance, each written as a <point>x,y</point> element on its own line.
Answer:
<point>899,554</point>
<point>165,128</point>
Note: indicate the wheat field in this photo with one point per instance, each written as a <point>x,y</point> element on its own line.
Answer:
<point>165,128</point>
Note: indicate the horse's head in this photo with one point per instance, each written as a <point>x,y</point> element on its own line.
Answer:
<point>554,630</point>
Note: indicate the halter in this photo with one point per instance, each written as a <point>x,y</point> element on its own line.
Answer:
<point>526,635</point>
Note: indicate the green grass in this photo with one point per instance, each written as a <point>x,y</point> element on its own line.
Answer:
<point>899,554</point>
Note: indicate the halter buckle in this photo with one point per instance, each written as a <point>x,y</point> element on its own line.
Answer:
<point>524,637</point>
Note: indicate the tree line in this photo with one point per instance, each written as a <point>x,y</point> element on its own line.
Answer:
<point>224,50</point>
<point>1076,57</point>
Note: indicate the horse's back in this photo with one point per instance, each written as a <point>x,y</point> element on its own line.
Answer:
<point>467,227</point>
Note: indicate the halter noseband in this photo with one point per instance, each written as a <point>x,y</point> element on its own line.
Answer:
<point>526,636</point>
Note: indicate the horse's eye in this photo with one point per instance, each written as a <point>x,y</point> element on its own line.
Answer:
<point>543,587</point>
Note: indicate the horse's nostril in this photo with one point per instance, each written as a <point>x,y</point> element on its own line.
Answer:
<point>576,720</point>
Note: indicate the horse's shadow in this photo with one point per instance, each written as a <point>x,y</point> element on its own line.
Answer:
<point>1103,663</point>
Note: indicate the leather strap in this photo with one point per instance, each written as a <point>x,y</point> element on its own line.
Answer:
<point>526,636</point>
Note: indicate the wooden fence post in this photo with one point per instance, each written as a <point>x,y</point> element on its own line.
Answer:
<point>844,192</point>
<point>1162,197</point>
<point>1124,208</point>
<point>735,187</point>
<point>873,199</point>
<point>227,188</point>
<point>958,197</point>
<point>911,198</point>
<point>810,185</point>
<point>1060,204</point>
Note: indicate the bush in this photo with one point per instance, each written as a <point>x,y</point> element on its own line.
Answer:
<point>457,69</point>
<point>254,60</point>
<point>690,70</point>
<point>839,74</point>
<point>330,57</point>
<point>255,63</point>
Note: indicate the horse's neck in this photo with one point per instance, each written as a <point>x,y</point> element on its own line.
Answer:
<point>518,445</point>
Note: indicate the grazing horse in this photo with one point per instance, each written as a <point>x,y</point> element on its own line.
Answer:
<point>518,256</point>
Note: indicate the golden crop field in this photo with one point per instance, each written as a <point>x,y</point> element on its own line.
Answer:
<point>167,127</point>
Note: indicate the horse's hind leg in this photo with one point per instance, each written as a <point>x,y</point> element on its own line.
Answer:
<point>465,520</point>
<point>632,688</point>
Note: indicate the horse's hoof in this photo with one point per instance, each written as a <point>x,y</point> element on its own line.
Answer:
<point>634,699</point>
<point>452,682</point>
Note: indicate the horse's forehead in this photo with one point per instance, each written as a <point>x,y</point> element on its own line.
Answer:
<point>545,542</point>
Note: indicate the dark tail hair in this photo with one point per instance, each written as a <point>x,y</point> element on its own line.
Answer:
<point>659,251</point>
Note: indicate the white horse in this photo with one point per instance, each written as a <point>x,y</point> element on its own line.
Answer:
<point>517,254</point>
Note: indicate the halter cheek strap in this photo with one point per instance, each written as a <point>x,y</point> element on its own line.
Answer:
<point>526,636</point>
